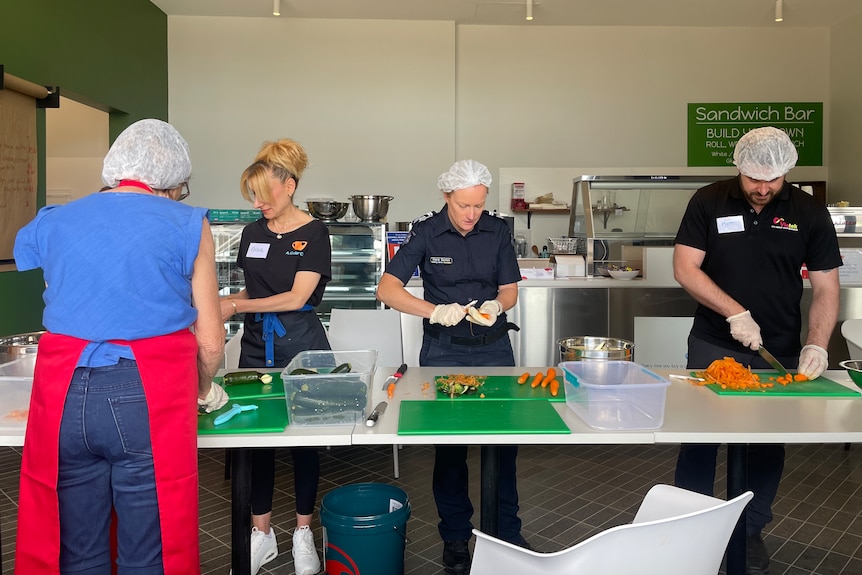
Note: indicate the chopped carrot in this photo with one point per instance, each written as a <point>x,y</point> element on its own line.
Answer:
<point>390,391</point>
<point>555,387</point>
<point>730,374</point>
<point>524,377</point>
<point>537,380</point>
<point>800,377</point>
<point>485,315</point>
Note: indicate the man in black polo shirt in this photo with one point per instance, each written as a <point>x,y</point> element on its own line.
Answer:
<point>466,258</point>
<point>738,252</point>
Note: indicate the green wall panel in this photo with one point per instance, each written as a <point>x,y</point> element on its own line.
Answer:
<point>109,54</point>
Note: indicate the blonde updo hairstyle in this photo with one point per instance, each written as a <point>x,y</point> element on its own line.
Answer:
<point>284,159</point>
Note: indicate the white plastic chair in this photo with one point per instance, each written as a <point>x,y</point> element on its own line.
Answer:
<point>378,329</point>
<point>675,532</point>
<point>851,329</point>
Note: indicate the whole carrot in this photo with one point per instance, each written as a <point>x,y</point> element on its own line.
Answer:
<point>524,377</point>
<point>537,380</point>
<point>555,387</point>
<point>552,373</point>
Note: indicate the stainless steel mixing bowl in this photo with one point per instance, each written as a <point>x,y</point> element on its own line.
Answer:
<point>327,210</point>
<point>369,208</point>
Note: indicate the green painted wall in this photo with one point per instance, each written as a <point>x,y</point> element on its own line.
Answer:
<point>109,54</point>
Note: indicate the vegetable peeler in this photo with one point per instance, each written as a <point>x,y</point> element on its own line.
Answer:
<point>235,409</point>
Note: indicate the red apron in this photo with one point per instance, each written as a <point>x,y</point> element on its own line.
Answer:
<point>172,406</point>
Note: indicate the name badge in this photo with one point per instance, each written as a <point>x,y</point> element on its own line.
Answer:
<point>257,251</point>
<point>730,224</point>
<point>441,260</point>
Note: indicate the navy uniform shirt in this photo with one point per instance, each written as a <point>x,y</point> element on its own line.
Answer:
<point>756,258</point>
<point>456,268</point>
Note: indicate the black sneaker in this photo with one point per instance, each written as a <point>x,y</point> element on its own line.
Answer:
<point>456,557</point>
<point>756,556</point>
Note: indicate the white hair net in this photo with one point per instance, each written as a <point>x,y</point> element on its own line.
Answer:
<point>149,151</point>
<point>765,154</point>
<point>464,174</point>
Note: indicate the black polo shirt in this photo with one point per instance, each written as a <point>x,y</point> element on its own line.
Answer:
<point>456,268</point>
<point>756,258</point>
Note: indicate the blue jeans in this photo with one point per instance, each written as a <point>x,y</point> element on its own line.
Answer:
<point>105,463</point>
<point>450,477</point>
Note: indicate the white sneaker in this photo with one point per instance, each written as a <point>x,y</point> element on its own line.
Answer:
<point>305,559</point>
<point>263,548</point>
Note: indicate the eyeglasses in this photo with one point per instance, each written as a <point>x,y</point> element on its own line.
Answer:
<point>185,193</point>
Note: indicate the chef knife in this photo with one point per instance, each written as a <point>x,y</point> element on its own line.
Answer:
<point>771,360</point>
<point>372,418</point>
<point>395,376</point>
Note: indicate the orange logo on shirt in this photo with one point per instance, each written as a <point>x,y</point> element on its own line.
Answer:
<point>299,245</point>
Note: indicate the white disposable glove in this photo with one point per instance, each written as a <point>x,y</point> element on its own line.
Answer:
<point>745,330</point>
<point>813,361</point>
<point>215,399</point>
<point>448,314</point>
<point>490,308</point>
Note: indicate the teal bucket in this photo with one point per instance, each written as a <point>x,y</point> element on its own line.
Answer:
<point>365,529</point>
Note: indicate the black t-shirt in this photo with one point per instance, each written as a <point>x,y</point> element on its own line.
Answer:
<point>456,268</point>
<point>270,264</point>
<point>756,258</point>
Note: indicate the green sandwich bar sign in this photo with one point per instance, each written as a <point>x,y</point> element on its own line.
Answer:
<point>713,129</point>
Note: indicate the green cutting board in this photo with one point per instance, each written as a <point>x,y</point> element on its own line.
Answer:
<point>507,387</point>
<point>269,417</point>
<point>497,416</point>
<point>254,390</point>
<point>820,387</point>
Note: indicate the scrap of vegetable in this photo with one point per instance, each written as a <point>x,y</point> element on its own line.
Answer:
<point>730,374</point>
<point>17,414</point>
<point>459,384</point>
<point>390,391</point>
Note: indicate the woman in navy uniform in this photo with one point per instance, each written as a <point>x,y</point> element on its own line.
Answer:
<point>465,256</point>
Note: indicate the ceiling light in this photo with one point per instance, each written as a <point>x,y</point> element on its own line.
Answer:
<point>529,9</point>
<point>276,7</point>
<point>779,10</point>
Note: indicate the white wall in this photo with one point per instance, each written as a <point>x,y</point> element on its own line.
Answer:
<point>77,141</point>
<point>372,102</point>
<point>845,94</point>
<point>384,107</point>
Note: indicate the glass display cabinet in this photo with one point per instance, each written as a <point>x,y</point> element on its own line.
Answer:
<point>358,261</point>
<point>610,212</point>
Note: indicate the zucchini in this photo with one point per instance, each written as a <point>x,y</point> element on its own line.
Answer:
<point>331,386</point>
<point>303,371</point>
<point>343,368</point>
<point>302,400</point>
<point>237,377</point>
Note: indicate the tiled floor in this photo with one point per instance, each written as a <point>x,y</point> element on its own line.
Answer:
<point>567,494</point>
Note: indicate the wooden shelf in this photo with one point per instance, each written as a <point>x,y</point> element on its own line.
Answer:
<point>531,212</point>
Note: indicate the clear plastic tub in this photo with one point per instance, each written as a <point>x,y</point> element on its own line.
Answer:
<point>615,395</point>
<point>324,397</point>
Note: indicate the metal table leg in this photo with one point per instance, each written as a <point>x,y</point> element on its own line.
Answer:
<point>490,489</point>
<point>737,479</point>
<point>240,497</point>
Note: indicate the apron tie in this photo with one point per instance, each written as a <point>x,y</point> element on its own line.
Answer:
<point>272,326</point>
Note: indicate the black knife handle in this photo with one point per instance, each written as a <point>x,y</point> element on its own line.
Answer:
<point>402,369</point>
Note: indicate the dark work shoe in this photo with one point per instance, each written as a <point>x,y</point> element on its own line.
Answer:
<point>456,557</point>
<point>756,556</point>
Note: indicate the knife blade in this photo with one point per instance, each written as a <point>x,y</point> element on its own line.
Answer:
<point>770,359</point>
<point>395,376</point>
<point>375,415</point>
